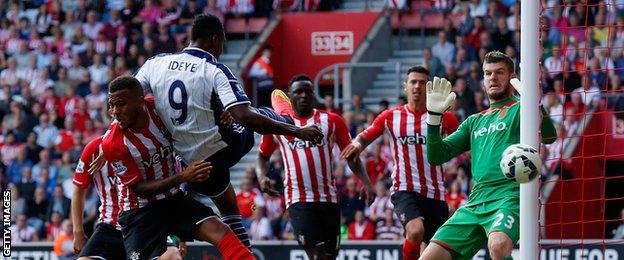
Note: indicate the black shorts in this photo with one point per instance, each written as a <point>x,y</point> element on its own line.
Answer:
<point>145,229</point>
<point>105,243</point>
<point>316,223</point>
<point>410,205</point>
<point>240,140</point>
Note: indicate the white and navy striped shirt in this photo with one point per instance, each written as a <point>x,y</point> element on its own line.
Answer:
<point>191,89</point>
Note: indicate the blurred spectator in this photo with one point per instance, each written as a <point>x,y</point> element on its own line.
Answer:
<point>350,201</point>
<point>46,133</point>
<point>32,149</point>
<point>64,242</point>
<point>375,165</point>
<point>59,203</point>
<point>381,203</point>
<point>275,208</point>
<point>261,74</point>
<point>618,233</point>
<point>15,167</point>
<point>389,227</point>
<point>432,63</point>
<point>26,185</point>
<point>53,228</point>
<point>260,228</point>
<point>248,200</point>
<point>10,148</point>
<point>358,109</point>
<point>502,36</point>
<point>478,8</point>
<point>328,105</point>
<point>443,49</point>
<point>21,232</point>
<point>92,27</point>
<point>18,203</point>
<point>361,228</point>
<point>454,197</point>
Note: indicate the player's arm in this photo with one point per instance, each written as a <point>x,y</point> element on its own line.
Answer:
<point>237,103</point>
<point>261,124</point>
<point>196,172</point>
<point>355,164</point>
<point>366,137</point>
<point>549,133</point>
<point>439,99</point>
<point>81,179</point>
<point>266,148</point>
<point>77,209</point>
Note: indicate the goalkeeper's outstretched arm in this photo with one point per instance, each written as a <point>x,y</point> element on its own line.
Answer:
<point>441,150</point>
<point>439,99</point>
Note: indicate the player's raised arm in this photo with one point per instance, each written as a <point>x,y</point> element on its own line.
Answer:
<point>439,99</point>
<point>362,140</point>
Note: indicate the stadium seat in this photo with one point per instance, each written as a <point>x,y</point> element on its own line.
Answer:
<point>236,25</point>
<point>257,24</point>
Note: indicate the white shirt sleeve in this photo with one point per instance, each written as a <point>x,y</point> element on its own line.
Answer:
<point>228,89</point>
<point>142,76</point>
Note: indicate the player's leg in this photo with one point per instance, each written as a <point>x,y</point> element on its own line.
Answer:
<point>145,231</point>
<point>106,242</point>
<point>307,226</point>
<point>500,246</point>
<point>503,231</point>
<point>459,238</point>
<point>230,214</point>
<point>219,189</point>
<point>436,251</point>
<point>408,209</point>
<point>330,214</point>
<point>194,220</point>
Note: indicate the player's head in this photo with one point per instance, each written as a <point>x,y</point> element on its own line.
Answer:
<point>498,69</point>
<point>125,98</point>
<point>414,85</point>
<point>301,94</point>
<point>208,34</point>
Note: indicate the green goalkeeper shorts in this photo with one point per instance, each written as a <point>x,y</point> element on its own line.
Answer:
<point>466,232</point>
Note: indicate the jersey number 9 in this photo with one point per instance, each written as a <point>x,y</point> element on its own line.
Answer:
<point>182,105</point>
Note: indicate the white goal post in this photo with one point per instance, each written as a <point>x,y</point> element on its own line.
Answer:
<point>529,122</point>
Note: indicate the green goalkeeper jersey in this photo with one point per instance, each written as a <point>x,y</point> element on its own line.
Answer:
<point>486,134</point>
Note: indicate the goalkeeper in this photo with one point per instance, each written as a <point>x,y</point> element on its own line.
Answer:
<point>491,214</point>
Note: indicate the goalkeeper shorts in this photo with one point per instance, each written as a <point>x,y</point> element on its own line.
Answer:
<point>466,232</point>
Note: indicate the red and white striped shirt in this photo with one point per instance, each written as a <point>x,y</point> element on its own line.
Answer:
<point>408,133</point>
<point>308,166</point>
<point>106,183</point>
<point>140,155</point>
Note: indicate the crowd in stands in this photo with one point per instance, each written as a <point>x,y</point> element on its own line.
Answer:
<point>57,56</point>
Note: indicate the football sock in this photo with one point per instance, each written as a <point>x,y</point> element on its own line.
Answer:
<point>411,251</point>
<point>231,248</point>
<point>234,222</point>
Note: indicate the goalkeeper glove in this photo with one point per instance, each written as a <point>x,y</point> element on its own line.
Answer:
<point>515,83</point>
<point>439,99</point>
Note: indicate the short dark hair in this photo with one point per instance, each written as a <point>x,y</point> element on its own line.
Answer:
<point>125,82</point>
<point>418,69</point>
<point>299,77</point>
<point>496,57</point>
<point>384,102</point>
<point>206,26</point>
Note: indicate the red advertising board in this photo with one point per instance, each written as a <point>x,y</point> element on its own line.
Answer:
<point>309,42</point>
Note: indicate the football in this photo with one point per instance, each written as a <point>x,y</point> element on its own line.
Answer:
<point>521,163</point>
